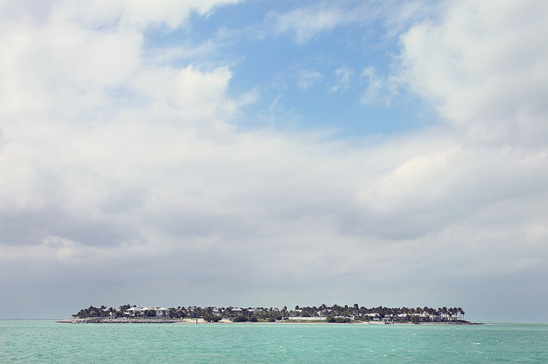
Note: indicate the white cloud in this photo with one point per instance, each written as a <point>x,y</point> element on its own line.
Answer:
<point>308,21</point>
<point>172,13</point>
<point>83,114</point>
<point>379,90</point>
<point>308,78</point>
<point>344,79</point>
<point>137,167</point>
<point>484,68</point>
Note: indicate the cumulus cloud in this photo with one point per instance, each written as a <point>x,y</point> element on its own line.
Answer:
<point>117,169</point>
<point>483,68</point>
<point>84,114</point>
<point>138,13</point>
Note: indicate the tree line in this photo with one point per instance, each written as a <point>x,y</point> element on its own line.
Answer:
<point>334,313</point>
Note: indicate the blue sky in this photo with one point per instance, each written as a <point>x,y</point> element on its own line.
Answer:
<point>270,153</point>
<point>317,80</point>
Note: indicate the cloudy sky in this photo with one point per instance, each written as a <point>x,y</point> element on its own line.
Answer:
<point>270,153</point>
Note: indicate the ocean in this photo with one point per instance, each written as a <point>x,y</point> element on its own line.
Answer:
<point>51,342</point>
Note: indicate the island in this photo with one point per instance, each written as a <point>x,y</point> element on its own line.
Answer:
<point>321,314</point>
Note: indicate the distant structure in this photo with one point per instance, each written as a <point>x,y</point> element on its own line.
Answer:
<point>156,311</point>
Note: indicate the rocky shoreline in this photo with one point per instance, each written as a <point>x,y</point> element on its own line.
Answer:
<point>120,321</point>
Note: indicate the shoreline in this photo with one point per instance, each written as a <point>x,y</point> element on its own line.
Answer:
<point>225,321</point>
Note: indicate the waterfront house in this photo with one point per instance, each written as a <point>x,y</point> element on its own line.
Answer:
<point>236,311</point>
<point>155,311</point>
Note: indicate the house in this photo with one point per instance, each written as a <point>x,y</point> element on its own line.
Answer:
<point>254,310</point>
<point>133,311</point>
<point>159,311</point>
<point>154,311</point>
<point>294,313</point>
<point>236,311</point>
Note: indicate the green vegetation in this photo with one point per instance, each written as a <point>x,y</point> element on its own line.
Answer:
<point>335,313</point>
<point>102,311</point>
<point>212,318</point>
<point>239,319</point>
<point>339,320</point>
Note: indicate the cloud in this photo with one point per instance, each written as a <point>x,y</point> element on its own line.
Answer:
<point>343,75</point>
<point>379,90</point>
<point>126,177</point>
<point>483,69</point>
<point>308,78</point>
<point>170,13</point>
<point>82,113</point>
<point>306,22</point>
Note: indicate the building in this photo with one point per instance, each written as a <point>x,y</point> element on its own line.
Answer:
<point>155,311</point>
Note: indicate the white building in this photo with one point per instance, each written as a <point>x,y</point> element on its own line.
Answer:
<point>155,311</point>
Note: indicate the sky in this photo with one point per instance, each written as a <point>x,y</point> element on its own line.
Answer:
<point>269,153</point>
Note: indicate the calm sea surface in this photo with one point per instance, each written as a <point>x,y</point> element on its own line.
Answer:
<point>51,342</point>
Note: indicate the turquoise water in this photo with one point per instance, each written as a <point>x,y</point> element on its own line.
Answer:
<point>50,342</point>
